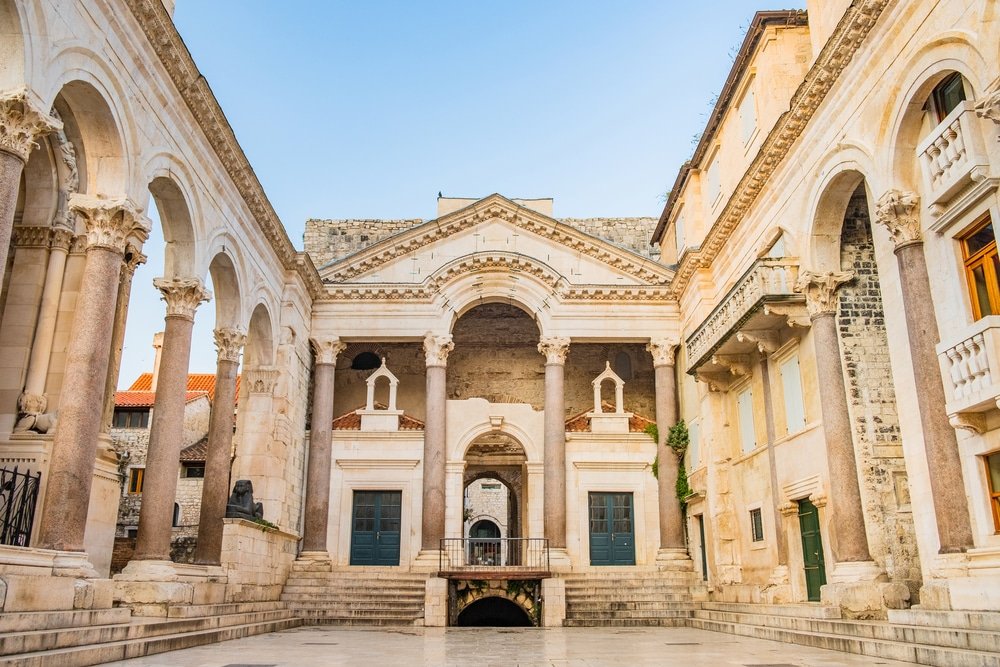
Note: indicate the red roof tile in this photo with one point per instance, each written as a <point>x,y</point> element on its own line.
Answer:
<point>196,382</point>
<point>195,452</point>
<point>145,399</point>
<point>581,423</point>
<point>351,421</point>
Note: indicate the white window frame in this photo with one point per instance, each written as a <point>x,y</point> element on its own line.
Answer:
<point>796,417</point>
<point>747,114</point>
<point>746,422</point>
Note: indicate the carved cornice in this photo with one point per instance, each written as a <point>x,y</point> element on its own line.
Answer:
<point>555,349</point>
<point>838,52</point>
<point>155,22</point>
<point>767,341</point>
<point>111,223</point>
<point>21,123</point>
<point>229,343</point>
<point>327,349</point>
<point>989,105</point>
<point>32,236</point>
<point>820,290</point>
<point>436,349</point>
<point>737,364</point>
<point>182,295</point>
<point>664,350</point>
<point>899,212</point>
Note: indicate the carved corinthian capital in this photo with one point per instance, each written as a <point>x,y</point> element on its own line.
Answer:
<point>989,105</point>
<point>436,349</point>
<point>663,350</point>
<point>111,223</point>
<point>327,349</point>
<point>183,295</point>
<point>900,213</point>
<point>555,349</point>
<point>820,290</point>
<point>21,122</point>
<point>229,343</point>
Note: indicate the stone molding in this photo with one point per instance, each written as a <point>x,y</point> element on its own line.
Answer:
<point>436,349</point>
<point>820,290</point>
<point>111,223</point>
<point>32,236</point>
<point>767,341</point>
<point>229,342</point>
<point>62,239</point>
<point>261,380</point>
<point>989,105</point>
<point>664,350</point>
<point>839,51</point>
<point>182,295</point>
<point>555,349</point>
<point>327,349</point>
<point>22,122</point>
<point>899,212</point>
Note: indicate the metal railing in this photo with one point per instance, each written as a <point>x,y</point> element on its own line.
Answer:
<point>18,497</point>
<point>494,554</point>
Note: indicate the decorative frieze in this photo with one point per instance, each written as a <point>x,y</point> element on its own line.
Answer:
<point>229,343</point>
<point>111,223</point>
<point>21,123</point>
<point>327,348</point>
<point>32,236</point>
<point>820,290</point>
<point>899,212</point>
<point>664,350</point>
<point>436,349</point>
<point>182,295</point>
<point>261,380</point>
<point>555,349</point>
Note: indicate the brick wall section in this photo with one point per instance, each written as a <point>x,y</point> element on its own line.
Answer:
<point>872,402</point>
<point>629,233</point>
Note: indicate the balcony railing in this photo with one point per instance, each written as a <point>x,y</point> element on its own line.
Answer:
<point>950,153</point>
<point>768,279</point>
<point>482,556</point>
<point>970,364</point>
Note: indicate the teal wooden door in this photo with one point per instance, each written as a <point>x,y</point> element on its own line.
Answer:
<point>812,549</point>
<point>612,535</point>
<point>375,525</point>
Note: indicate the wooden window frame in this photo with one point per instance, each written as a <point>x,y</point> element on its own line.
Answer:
<point>994,494</point>
<point>756,521</point>
<point>937,95</point>
<point>135,480</point>
<point>981,258</point>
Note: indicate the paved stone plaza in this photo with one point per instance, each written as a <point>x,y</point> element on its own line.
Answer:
<point>506,647</point>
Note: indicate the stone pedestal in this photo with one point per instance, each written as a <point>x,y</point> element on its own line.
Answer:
<point>553,602</point>
<point>436,603</point>
<point>151,587</point>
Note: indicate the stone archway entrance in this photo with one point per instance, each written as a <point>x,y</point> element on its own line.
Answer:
<point>496,461</point>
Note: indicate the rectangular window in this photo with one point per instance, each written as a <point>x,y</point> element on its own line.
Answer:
<point>744,409</point>
<point>748,115</point>
<point>131,418</point>
<point>982,266</point>
<point>993,477</point>
<point>947,95</point>
<point>756,525</point>
<point>135,480</point>
<point>791,387</point>
<point>194,469</point>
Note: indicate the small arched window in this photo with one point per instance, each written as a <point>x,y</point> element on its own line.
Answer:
<point>365,361</point>
<point>622,366</point>
<point>177,516</point>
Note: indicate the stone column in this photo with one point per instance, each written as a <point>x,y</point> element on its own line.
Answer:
<point>314,534</point>
<point>133,258</point>
<point>111,225</point>
<point>215,488</point>
<point>672,545</point>
<point>21,122</point>
<point>555,351</point>
<point>900,213</point>
<point>436,349</point>
<point>166,433</point>
<point>850,542</point>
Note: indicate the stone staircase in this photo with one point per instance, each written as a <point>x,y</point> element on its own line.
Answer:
<point>360,596</point>
<point>91,637</point>
<point>623,597</point>
<point>947,639</point>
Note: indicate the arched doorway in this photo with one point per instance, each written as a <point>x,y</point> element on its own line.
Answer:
<point>493,612</point>
<point>494,498</point>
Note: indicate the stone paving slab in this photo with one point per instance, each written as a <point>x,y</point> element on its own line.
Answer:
<point>503,647</point>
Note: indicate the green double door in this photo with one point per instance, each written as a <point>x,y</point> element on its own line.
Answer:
<point>612,531</point>
<point>375,527</point>
<point>812,549</point>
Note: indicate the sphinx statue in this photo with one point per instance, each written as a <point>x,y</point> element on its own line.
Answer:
<point>241,504</point>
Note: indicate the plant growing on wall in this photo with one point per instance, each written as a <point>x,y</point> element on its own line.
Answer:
<point>678,440</point>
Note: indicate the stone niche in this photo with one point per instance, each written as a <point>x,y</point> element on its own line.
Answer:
<point>374,418</point>
<point>609,422</point>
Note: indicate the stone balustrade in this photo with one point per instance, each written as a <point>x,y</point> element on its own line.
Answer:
<point>970,363</point>
<point>768,279</point>
<point>950,155</point>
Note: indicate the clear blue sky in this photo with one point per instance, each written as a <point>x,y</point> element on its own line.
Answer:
<point>369,108</point>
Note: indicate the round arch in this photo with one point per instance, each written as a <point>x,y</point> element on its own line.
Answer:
<point>464,442</point>
<point>497,604</point>
<point>226,288</point>
<point>177,226</point>
<point>259,349</point>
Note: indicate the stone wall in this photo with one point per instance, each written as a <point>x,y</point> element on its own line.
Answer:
<point>256,560</point>
<point>487,503</point>
<point>327,240</point>
<point>629,233</point>
<point>872,403</point>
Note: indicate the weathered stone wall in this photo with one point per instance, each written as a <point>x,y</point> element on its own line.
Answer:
<point>487,504</point>
<point>872,403</point>
<point>256,560</point>
<point>134,442</point>
<point>189,499</point>
<point>327,240</point>
<point>405,360</point>
<point>629,233</point>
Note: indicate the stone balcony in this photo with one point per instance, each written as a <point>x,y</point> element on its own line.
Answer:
<point>952,157</point>
<point>970,364</point>
<point>749,317</point>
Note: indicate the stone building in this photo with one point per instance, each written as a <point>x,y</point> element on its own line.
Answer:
<point>843,456</point>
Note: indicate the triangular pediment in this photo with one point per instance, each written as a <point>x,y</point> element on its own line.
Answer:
<point>495,233</point>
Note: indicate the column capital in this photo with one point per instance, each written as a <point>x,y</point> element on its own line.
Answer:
<point>22,122</point>
<point>989,105</point>
<point>62,238</point>
<point>111,223</point>
<point>261,380</point>
<point>327,348</point>
<point>555,349</point>
<point>663,350</point>
<point>899,212</point>
<point>820,290</point>
<point>182,295</point>
<point>132,260</point>
<point>229,342</point>
<point>436,349</point>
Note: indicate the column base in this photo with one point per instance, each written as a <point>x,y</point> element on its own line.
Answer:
<point>674,559</point>
<point>151,587</point>
<point>861,591</point>
<point>559,560</point>
<point>963,582</point>
<point>314,561</point>
<point>427,560</point>
<point>860,571</point>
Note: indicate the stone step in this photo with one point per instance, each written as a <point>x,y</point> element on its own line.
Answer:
<point>82,656</point>
<point>894,650</point>
<point>796,610</point>
<point>626,622</point>
<point>201,610</point>
<point>610,596</point>
<point>325,619</point>
<point>355,605</point>
<point>969,620</point>
<point>50,620</point>
<point>622,605</point>
<point>355,590</point>
<point>630,613</point>
<point>358,576</point>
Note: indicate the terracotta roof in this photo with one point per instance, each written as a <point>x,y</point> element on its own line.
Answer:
<point>581,423</point>
<point>196,382</point>
<point>351,421</point>
<point>195,452</point>
<point>145,399</point>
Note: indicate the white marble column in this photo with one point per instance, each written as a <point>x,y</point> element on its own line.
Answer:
<point>555,350</point>
<point>111,225</point>
<point>166,433</point>
<point>314,537</point>
<point>436,349</point>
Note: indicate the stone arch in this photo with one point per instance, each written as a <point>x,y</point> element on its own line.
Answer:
<point>178,227</point>
<point>259,350</point>
<point>226,291</point>
<point>38,198</point>
<point>844,171</point>
<point>523,598</point>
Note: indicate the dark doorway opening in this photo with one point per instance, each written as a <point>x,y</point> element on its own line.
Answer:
<point>493,612</point>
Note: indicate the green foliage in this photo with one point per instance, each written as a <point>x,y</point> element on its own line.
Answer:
<point>678,440</point>
<point>265,525</point>
<point>653,432</point>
